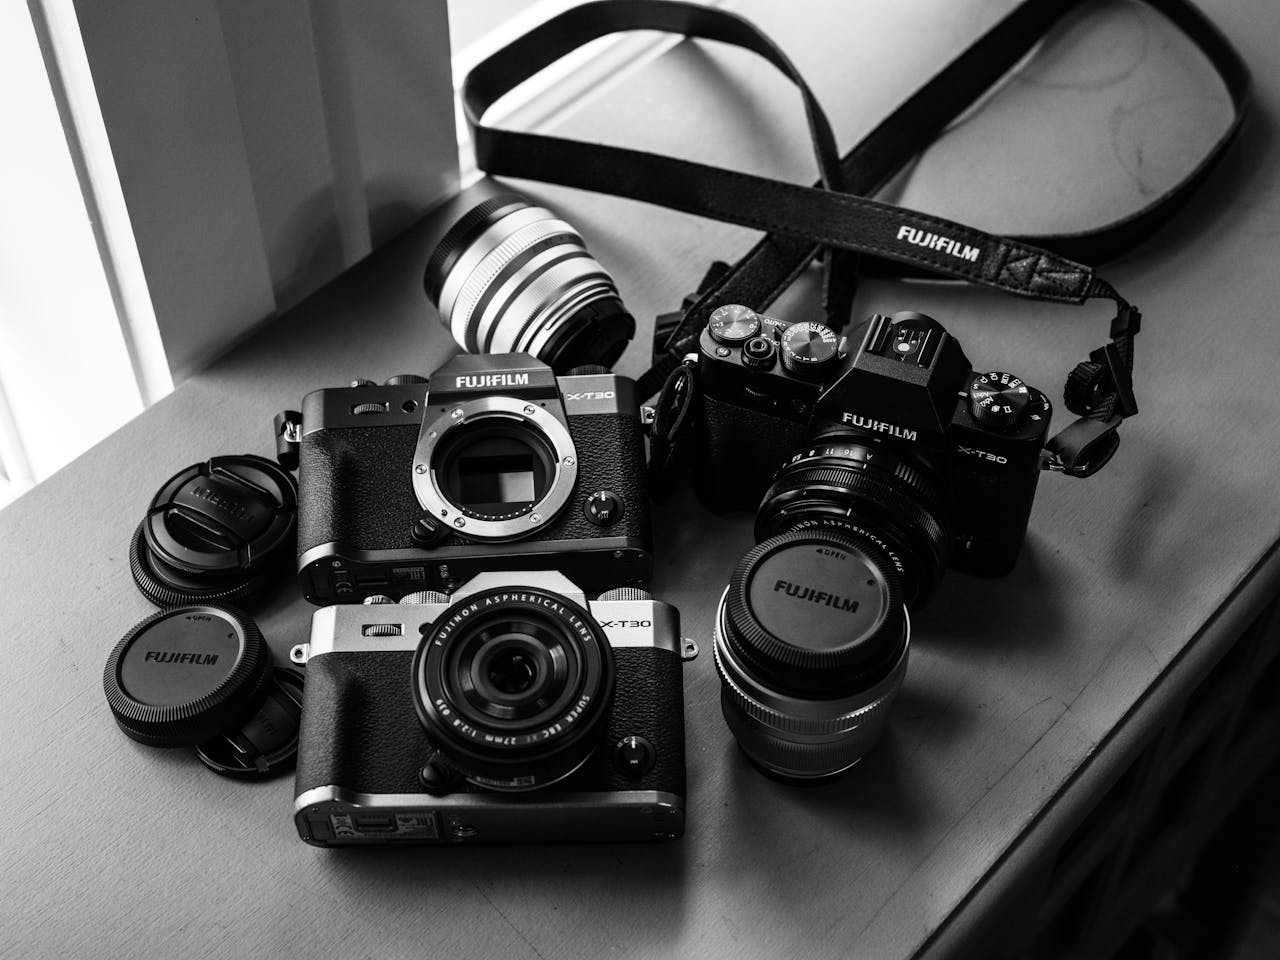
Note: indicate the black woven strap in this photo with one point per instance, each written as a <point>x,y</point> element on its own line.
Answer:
<point>837,214</point>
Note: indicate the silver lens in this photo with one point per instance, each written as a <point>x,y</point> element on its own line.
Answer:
<point>510,276</point>
<point>796,737</point>
<point>811,641</point>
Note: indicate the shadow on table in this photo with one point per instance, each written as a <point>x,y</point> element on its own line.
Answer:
<point>610,885</point>
<point>994,612</point>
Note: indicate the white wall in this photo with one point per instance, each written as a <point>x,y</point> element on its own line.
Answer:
<point>264,147</point>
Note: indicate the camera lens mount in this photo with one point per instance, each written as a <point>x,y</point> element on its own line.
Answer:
<point>495,468</point>
<point>514,686</point>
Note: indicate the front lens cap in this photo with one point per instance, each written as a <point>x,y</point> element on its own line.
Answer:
<point>186,675</point>
<point>267,742</point>
<point>215,531</point>
<point>816,612</point>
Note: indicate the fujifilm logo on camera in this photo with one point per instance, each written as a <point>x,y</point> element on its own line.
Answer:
<point>866,423</point>
<point>935,241</point>
<point>472,381</point>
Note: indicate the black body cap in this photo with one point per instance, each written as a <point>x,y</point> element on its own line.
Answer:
<point>183,676</point>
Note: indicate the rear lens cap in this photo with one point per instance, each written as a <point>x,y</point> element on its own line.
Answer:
<point>183,676</point>
<point>817,612</point>
<point>215,531</point>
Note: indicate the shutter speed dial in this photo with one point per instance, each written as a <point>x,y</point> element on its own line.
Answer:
<point>999,400</point>
<point>809,349</point>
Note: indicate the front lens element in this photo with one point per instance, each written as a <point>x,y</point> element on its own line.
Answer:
<point>811,647</point>
<point>510,276</point>
<point>514,686</point>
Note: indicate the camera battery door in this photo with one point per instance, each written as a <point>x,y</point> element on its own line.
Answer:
<point>202,676</point>
<point>216,531</point>
<point>811,647</point>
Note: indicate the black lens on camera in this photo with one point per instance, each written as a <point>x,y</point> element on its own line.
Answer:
<point>514,687</point>
<point>847,479</point>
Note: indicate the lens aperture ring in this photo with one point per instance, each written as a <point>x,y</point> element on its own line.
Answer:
<point>858,484</point>
<point>463,317</point>
<point>461,235</point>
<point>854,713</point>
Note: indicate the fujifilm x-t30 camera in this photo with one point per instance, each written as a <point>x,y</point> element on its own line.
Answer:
<point>900,439</point>
<point>513,711</point>
<point>494,463</point>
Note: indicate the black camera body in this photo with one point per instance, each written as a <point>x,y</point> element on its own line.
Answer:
<point>774,392</point>
<point>437,721</point>
<point>494,463</point>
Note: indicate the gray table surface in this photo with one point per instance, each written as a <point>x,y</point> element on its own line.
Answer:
<point>114,849</point>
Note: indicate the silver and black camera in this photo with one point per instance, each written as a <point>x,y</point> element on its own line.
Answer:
<point>512,711</point>
<point>494,463</point>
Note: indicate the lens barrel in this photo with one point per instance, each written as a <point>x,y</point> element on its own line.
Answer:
<point>514,687</point>
<point>847,480</point>
<point>509,277</point>
<point>811,646</point>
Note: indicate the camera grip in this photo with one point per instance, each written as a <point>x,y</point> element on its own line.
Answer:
<point>739,452</point>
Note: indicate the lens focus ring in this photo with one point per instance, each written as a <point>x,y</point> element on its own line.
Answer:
<point>511,276</point>
<point>802,739</point>
<point>776,719</point>
<point>463,322</point>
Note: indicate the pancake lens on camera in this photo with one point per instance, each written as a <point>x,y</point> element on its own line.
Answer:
<point>514,687</point>
<point>811,645</point>
<point>509,276</point>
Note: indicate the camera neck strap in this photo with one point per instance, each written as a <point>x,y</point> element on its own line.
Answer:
<point>837,215</point>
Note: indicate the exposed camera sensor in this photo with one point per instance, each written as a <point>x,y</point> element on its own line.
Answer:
<point>510,276</point>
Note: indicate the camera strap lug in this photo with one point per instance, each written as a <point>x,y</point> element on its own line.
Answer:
<point>1083,448</point>
<point>688,649</point>
<point>287,426</point>
<point>299,653</point>
<point>671,424</point>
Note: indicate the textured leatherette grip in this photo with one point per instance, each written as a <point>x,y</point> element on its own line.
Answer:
<point>356,486</point>
<point>360,730</point>
<point>740,451</point>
